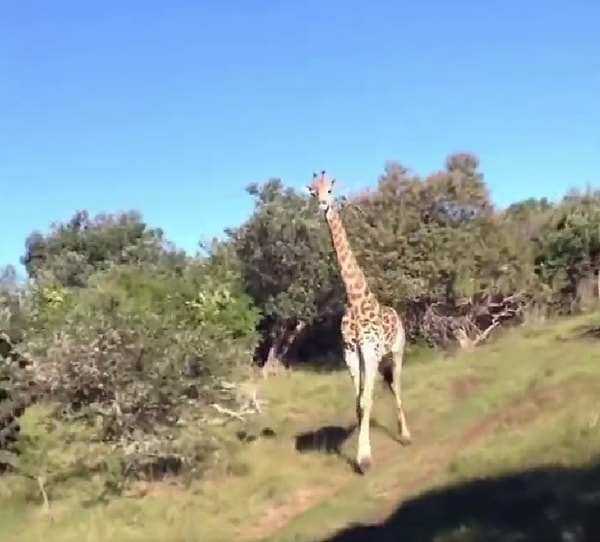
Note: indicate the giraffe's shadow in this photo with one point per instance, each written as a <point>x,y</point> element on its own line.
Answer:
<point>330,439</point>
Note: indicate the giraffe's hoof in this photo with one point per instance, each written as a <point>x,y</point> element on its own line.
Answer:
<point>405,440</point>
<point>363,465</point>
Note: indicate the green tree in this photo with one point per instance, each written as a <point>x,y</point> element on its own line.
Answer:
<point>416,236</point>
<point>287,263</point>
<point>568,246</point>
<point>75,249</point>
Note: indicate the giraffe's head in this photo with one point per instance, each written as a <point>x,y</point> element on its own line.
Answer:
<point>321,188</point>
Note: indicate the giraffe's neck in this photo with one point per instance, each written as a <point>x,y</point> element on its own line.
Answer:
<point>353,277</point>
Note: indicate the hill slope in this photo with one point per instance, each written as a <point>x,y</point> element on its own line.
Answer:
<point>528,401</point>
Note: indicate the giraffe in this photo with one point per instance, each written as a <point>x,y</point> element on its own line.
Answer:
<point>370,330</point>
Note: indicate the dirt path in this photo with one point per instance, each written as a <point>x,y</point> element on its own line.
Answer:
<point>432,459</point>
<point>510,415</point>
<point>305,498</point>
<point>387,450</point>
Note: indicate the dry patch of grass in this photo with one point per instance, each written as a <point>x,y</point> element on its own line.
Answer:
<point>523,401</point>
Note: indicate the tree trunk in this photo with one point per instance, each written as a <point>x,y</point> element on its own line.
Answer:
<point>281,340</point>
<point>273,363</point>
<point>289,339</point>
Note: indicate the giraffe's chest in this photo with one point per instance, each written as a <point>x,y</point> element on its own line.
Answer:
<point>359,325</point>
<point>382,325</point>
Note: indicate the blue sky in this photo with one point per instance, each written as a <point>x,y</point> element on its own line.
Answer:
<point>172,108</point>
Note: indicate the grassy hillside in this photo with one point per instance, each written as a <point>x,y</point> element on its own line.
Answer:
<point>530,400</point>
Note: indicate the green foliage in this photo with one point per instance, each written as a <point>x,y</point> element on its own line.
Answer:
<point>286,255</point>
<point>569,247</point>
<point>140,344</point>
<point>74,250</point>
<point>15,397</point>
<point>13,305</point>
<point>287,263</point>
<point>131,338</point>
<point>435,240</point>
<point>427,237</point>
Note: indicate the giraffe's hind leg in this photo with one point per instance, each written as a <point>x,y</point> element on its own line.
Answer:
<point>396,387</point>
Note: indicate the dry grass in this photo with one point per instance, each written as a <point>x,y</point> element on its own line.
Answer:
<point>527,400</point>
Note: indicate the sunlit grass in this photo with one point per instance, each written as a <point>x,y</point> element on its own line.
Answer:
<point>527,399</point>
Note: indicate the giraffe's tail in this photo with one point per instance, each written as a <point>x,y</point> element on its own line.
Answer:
<point>386,369</point>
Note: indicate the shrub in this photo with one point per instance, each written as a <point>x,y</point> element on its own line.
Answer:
<point>138,354</point>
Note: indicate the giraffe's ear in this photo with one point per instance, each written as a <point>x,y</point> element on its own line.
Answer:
<point>332,182</point>
<point>310,189</point>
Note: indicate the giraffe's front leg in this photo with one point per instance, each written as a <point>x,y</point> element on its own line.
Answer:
<point>352,360</point>
<point>370,357</point>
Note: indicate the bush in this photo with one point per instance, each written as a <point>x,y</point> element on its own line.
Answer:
<point>15,392</point>
<point>139,353</point>
<point>11,408</point>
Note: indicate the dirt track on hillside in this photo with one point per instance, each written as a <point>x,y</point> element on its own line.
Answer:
<point>431,462</point>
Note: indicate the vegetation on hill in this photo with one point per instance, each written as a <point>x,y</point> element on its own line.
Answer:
<point>124,360</point>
